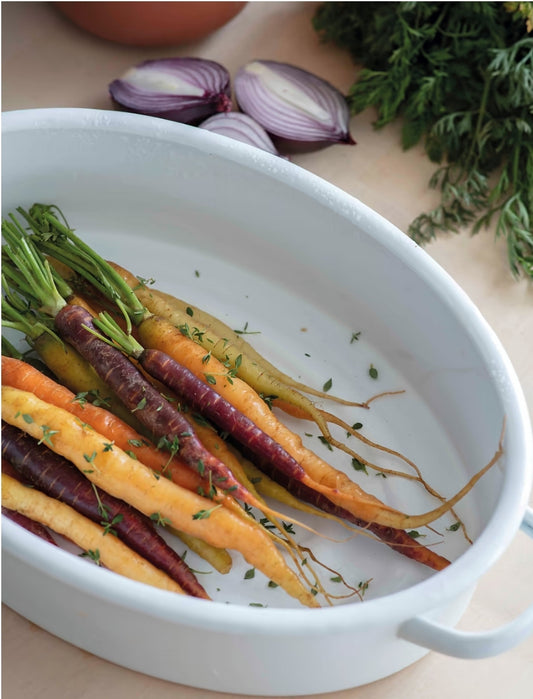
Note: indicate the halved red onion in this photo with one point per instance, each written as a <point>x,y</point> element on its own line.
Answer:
<point>241,127</point>
<point>292,103</point>
<point>179,89</point>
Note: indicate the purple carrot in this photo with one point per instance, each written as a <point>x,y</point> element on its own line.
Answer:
<point>264,451</point>
<point>398,539</point>
<point>212,406</point>
<point>34,527</point>
<point>268,455</point>
<point>58,478</point>
<point>161,417</point>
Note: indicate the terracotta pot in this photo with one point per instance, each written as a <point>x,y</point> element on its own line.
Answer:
<point>150,23</point>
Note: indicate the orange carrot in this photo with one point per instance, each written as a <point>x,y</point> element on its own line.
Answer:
<point>120,475</point>
<point>89,536</point>
<point>219,340</point>
<point>155,332</point>
<point>162,335</point>
<point>19,374</point>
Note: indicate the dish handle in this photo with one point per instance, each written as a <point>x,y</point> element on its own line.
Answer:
<point>470,645</point>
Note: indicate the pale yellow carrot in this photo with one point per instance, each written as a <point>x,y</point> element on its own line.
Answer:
<point>108,550</point>
<point>119,474</point>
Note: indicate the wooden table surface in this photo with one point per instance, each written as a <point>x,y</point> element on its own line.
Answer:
<point>48,62</point>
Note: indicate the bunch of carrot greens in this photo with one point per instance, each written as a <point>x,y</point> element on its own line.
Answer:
<point>459,75</point>
<point>174,419</point>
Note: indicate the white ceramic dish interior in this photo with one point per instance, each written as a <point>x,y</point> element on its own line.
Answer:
<point>259,241</point>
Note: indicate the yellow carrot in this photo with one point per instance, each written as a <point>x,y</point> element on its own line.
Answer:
<point>218,558</point>
<point>119,474</point>
<point>156,332</point>
<point>226,344</point>
<point>110,551</point>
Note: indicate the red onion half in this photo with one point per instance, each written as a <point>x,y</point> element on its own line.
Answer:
<point>292,103</point>
<point>240,127</point>
<point>179,89</point>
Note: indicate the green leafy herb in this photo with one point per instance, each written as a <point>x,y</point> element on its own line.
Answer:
<point>48,433</point>
<point>355,426</point>
<point>363,587</point>
<point>204,514</point>
<point>359,465</point>
<point>141,405</point>
<point>458,74</point>
<point>288,527</point>
<point>143,283</point>
<point>173,446</point>
<point>266,523</point>
<point>325,442</point>
<point>93,396</point>
<point>108,526</point>
<point>103,510</point>
<point>93,555</point>
<point>268,399</point>
<point>245,331</point>
<point>158,518</point>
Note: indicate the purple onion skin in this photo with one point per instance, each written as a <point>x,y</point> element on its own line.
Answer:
<point>288,122</point>
<point>211,77</point>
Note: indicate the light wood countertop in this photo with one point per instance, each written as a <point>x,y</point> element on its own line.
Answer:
<point>47,62</point>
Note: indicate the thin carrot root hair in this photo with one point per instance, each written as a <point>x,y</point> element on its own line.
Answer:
<point>326,417</point>
<point>320,475</point>
<point>354,590</point>
<point>294,411</point>
<point>293,548</point>
<point>210,332</point>
<point>268,487</point>
<point>218,446</point>
<point>314,582</point>
<point>156,332</point>
<point>392,518</point>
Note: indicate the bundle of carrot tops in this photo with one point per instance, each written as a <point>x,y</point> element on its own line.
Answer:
<point>458,77</point>
<point>139,411</point>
